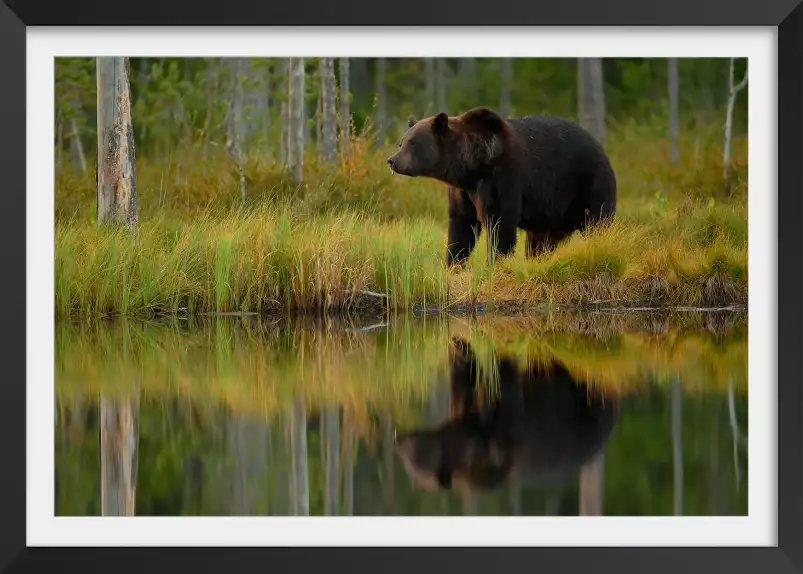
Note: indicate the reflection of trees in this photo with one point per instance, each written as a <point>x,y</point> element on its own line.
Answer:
<point>388,459</point>
<point>349,445</point>
<point>332,453</point>
<point>119,446</point>
<point>592,486</point>
<point>299,487</point>
<point>677,444</point>
<point>248,448</point>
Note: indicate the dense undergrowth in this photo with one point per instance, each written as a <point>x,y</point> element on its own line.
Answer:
<point>355,238</point>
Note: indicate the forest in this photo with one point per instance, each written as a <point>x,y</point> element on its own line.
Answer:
<point>260,184</point>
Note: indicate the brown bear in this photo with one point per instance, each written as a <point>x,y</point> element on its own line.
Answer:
<point>540,173</point>
<point>537,423</point>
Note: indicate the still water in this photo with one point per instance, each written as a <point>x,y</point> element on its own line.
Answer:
<point>594,414</point>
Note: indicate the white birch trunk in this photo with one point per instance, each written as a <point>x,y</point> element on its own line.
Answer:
<point>116,171</point>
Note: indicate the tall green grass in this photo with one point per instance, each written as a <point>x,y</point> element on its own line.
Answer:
<point>354,238</point>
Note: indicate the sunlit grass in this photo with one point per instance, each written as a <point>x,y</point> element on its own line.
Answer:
<point>355,238</point>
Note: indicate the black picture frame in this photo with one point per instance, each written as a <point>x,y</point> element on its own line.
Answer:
<point>787,15</point>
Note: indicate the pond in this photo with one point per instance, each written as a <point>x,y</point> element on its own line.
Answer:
<point>616,414</point>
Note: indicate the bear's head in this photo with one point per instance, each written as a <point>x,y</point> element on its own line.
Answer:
<point>454,455</point>
<point>451,149</point>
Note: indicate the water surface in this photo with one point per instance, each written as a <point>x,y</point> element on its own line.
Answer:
<point>635,415</point>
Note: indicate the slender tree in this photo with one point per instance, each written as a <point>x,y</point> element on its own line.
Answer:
<point>284,154</point>
<point>733,91</point>
<point>591,96</point>
<point>296,119</point>
<point>429,90</point>
<point>345,112</point>
<point>77,155</point>
<point>468,79</point>
<point>116,171</point>
<point>328,145</point>
<point>210,83</point>
<point>505,82</point>
<point>440,84</point>
<point>266,107</point>
<point>672,74</point>
<point>236,122</point>
<point>59,142</point>
<point>381,100</point>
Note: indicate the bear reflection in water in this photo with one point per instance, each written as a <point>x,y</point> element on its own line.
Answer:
<point>538,423</point>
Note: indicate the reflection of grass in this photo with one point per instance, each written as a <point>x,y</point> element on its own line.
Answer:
<point>258,368</point>
<point>251,367</point>
<point>623,352</point>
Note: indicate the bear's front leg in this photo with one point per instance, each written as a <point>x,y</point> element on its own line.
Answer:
<point>464,228</point>
<point>500,220</point>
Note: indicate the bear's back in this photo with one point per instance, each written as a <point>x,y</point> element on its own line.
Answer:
<point>547,135</point>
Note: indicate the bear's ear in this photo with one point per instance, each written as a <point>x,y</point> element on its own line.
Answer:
<point>441,123</point>
<point>411,121</point>
<point>483,120</point>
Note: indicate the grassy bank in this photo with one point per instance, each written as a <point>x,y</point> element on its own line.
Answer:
<point>356,239</point>
<point>258,366</point>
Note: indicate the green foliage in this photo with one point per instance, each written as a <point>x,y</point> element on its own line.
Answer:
<point>182,101</point>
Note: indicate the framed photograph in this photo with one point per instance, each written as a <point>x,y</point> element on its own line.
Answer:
<point>428,287</point>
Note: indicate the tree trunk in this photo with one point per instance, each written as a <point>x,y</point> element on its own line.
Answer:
<point>733,90</point>
<point>298,447</point>
<point>60,143</point>
<point>440,85</point>
<point>296,117</point>
<point>210,81</point>
<point>76,148</point>
<point>119,446</point>
<point>468,79</point>
<point>591,96</point>
<point>116,172</point>
<point>265,111</point>
<point>329,127</point>
<point>284,154</point>
<point>345,112</point>
<point>381,100</point>
<point>672,69</point>
<point>677,444</point>
<point>431,81</point>
<point>505,82</point>
<point>592,485</point>
<point>236,145</point>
